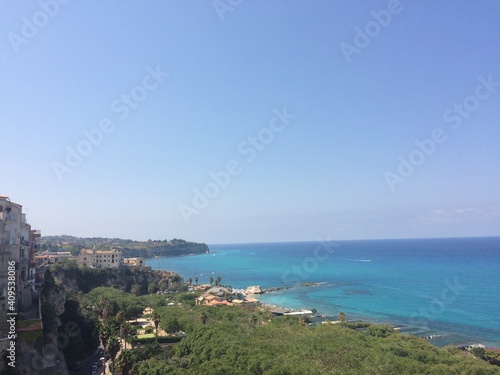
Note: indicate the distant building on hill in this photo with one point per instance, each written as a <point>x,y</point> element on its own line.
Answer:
<point>53,257</point>
<point>100,258</point>
<point>134,262</point>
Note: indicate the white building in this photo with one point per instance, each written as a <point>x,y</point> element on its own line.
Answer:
<point>100,258</point>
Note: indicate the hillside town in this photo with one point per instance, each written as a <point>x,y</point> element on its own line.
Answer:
<point>24,262</point>
<point>22,269</point>
<point>18,269</point>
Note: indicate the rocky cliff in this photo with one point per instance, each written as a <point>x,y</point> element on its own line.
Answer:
<point>133,280</point>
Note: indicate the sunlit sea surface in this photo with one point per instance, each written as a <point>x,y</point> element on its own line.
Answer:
<point>449,288</point>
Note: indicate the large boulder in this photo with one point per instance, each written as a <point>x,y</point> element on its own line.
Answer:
<point>254,290</point>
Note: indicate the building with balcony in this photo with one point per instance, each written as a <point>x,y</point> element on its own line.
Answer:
<point>18,244</point>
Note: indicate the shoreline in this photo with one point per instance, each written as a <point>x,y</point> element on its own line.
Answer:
<point>175,256</point>
<point>439,334</point>
<point>436,337</point>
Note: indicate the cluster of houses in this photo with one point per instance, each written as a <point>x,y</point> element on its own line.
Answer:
<point>91,258</point>
<point>22,266</point>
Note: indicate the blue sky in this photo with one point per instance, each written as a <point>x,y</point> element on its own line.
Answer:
<point>178,87</point>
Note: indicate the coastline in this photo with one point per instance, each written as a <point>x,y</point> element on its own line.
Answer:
<point>355,286</point>
<point>436,337</point>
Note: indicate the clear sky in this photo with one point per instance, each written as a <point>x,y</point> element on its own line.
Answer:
<point>252,121</point>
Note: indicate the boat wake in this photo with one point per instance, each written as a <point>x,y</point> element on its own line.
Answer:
<point>356,260</point>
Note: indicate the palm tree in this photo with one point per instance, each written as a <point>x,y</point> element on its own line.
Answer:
<point>342,318</point>
<point>196,280</point>
<point>113,348</point>
<point>125,329</point>
<point>125,361</point>
<point>156,321</point>
<point>104,335</point>
<point>314,311</point>
<point>217,280</point>
<point>211,280</point>
<point>204,317</point>
<point>120,317</point>
<point>190,281</point>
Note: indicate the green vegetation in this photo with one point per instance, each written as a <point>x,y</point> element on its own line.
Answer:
<point>241,340</point>
<point>130,248</point>
<point>492,357</point>
<point>146,336</point>
<point>77,331</point>
<point>184,338</point>
<point>136,281</point>
<point>478,352</point>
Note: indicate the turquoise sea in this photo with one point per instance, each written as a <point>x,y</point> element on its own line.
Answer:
<point>449,288</point>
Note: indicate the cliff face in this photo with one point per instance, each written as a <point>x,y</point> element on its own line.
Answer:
<point>40,350</point>
<point>137,281</point>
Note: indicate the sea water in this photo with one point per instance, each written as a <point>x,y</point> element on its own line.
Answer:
<point>445,288</point>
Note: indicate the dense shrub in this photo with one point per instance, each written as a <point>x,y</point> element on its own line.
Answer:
<point>240,340</point>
